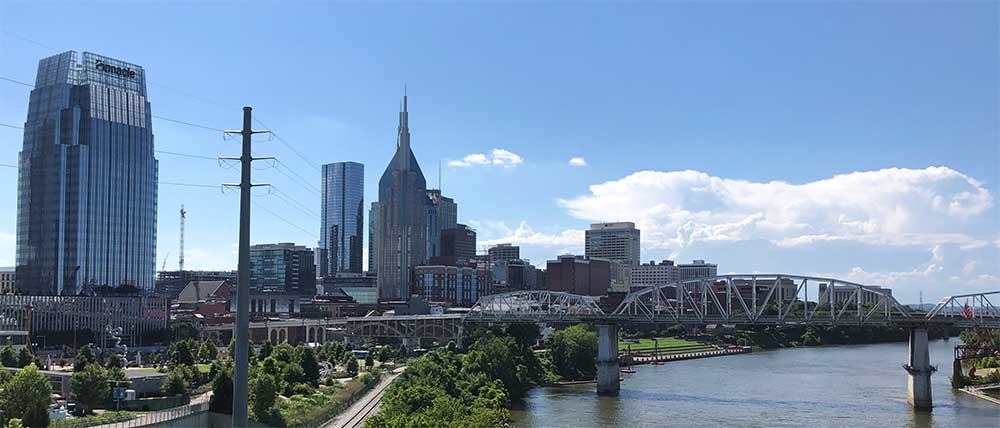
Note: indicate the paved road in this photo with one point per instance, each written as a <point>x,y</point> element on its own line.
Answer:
<point>368,405</point>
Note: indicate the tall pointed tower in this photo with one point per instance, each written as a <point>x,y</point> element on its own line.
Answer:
<point>402,218</point>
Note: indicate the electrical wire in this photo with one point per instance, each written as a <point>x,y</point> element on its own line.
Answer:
<point>256,204</point>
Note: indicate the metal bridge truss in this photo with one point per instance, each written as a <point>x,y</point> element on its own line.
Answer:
<point>981,311</point>
<point>534,306</point>
<point>405,326</point>
<point>762,299</point>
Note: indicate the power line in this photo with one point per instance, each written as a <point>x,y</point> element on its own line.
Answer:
<point>185,155</point>
<point>12,126</point>
<point>309,186</point>
<point>289,146</point>
<point>284,220</point>
<point>293,201</point>
<point>17,81</point>
<point>173,183</point>
<point>153,115</point>
<point>7,165</point>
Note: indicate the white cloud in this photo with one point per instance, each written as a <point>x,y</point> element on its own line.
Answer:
<point>931,206</point>
<point>523,234</point>
<point>499,157</point>
<point>578,161</point>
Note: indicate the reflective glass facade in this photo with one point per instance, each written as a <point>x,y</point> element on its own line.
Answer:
<point>403,208</point>
<point>87,178</point>
<point>342,222</point>
<point>283,268</point>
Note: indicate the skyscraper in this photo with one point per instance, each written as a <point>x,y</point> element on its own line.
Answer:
<point>342,217</point>
<point>443,215</point>
<point>87,178</point>
<point>616,241</point>
<point>403,208</point>
<point>374,222</point>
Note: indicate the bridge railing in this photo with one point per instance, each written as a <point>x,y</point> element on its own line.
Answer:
<point>762,298</point>
<point>974,309</point>
<point>534,305</point>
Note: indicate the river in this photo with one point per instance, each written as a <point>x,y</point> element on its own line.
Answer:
<point>832,386</point>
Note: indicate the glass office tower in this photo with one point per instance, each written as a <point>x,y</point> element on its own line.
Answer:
<point>402,228</point>
<point>87,178</point>
<point>342,222</point>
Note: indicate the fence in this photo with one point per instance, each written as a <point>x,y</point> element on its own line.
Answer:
<point>147,419</point>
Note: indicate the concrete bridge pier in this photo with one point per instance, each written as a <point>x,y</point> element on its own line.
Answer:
<point>920,369</point>
<point>607,360</point>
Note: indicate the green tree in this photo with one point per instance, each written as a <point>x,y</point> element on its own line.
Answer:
<point>14,423</point>
<point>174,383</point>
<point>207,351</point>
<point>27,396</point>
<point>7,356</point>
<point>222,392</point>
<point>183,331</point>
<point>310,367</point>
<point>263,393</point>
<point>574,352</point>
<point>90,386</point>
<point>266,350</point>
<point>352,366</point>
<point>369,361</point>
<point>498,358</point>
<point>24,358</point>
<point>181,353</point>
<point>83,357</point>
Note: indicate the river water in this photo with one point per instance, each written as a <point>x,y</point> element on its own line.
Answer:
<point>834,386</point>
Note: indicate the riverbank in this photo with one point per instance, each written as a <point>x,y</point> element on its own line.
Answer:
<point>860,386</point>
<point>983,392</point>
<point>674,356</point>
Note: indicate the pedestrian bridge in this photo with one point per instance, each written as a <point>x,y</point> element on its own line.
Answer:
<point>750,299</point>
<point>756,299</point>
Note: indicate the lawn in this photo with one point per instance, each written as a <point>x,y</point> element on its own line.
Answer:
<point>664,344</point>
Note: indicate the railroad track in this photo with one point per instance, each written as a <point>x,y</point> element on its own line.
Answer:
<point>358,419</point>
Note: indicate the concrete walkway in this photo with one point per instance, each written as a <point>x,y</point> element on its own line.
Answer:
<point>366,406</point>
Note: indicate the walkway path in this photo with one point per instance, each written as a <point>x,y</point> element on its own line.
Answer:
<point>366,406</point>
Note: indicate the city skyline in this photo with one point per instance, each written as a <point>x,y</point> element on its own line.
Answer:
<point>884,174</point>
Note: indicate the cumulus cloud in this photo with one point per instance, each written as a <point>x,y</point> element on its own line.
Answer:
<point>931,206</point>
<point>577,161</point>
<point>523,234</point>
<point>499,157</point>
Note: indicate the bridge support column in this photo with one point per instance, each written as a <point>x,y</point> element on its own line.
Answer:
<point>920,369</point>
<point>408,344</point>
<point>607,360</point>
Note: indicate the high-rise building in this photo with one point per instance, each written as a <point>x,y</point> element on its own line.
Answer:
<point>283,268</point>
<point>342,218</point>
<point>402,218</point>
<point>458,285</point>
<point>502,252</point>
<point>698,269</point>
<point>374,222</point>
<point>459,241</point>
<point>87,178</point>
<point>615,241</point>
<point>446,207</point>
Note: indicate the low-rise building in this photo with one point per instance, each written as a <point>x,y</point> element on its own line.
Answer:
<point>652,273</point>
<point>698,269</point>
<point>7,280</point>
<point>456,285</point>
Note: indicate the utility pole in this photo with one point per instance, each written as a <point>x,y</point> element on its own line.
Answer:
<point>181,261</point>
<point>242,328</point>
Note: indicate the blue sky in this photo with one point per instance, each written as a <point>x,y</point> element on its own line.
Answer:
<point>854,140</point>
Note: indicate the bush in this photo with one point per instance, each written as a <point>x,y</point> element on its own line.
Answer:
<point>174,383</point>
<point>222,392</point>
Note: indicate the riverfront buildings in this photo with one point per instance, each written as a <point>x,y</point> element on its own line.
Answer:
<point>614,241</point>
<point>283,268</point>
<point>457,285</point>
<point>401,231</point>
<point>60,318</point>
<point>341,219</point>
<point>665,272</point>
<point>588,276</point>
<point>87,178</point>
<point>503,252</point>
<point>459,241</point>
<point>698,269</point>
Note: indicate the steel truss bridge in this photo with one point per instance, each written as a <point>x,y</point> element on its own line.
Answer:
<point>751,299</point>
<point>757,299</point>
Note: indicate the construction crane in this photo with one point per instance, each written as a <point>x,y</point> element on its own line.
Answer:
<point>164,266</point>
<point>181,259</point>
